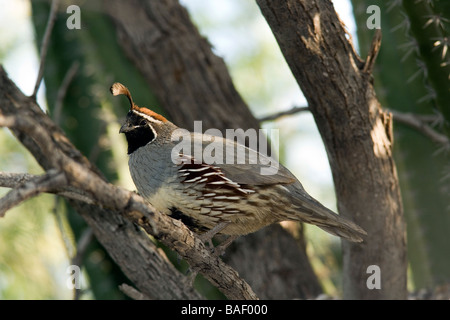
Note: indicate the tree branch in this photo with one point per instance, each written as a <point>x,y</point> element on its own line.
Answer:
<point>373,52</point>
<point>81,247</point>
<point>52,180</point>
<point>278,115</point>
<point>62,91</point>
<point>44,47</point>
<point>416,122</point>
<point>14,180</point>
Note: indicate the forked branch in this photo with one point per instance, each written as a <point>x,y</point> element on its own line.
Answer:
<point>48,182</point>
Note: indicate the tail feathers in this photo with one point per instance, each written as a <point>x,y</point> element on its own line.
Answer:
<point>350,232</point>
<point>312,211</point>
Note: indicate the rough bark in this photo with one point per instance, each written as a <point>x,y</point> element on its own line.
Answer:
<point>191,84</point>
<point>357,136</point>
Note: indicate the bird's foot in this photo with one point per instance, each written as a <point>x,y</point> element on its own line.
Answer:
<point>207,236</point>
<point>219,250</point>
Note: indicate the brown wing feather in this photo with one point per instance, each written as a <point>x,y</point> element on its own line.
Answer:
<point>212,176</point>
<point>250,173</point>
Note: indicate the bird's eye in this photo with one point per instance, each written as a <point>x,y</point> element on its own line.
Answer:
<point>142,123</point>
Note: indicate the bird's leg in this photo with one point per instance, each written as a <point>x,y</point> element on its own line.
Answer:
<point>220,249</point>
<point>207,236</point>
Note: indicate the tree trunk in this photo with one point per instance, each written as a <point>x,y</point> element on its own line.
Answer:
<point>402,83</point>
<point>357,136</point>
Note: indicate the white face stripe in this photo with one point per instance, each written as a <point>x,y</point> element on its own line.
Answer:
<point>147,117</point>
<point>154,133</point>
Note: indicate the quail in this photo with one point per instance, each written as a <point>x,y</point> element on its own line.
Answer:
<point>216,198</point>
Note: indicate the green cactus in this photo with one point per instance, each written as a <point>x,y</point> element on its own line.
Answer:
<point>429,24</point>
<point>412,75</point>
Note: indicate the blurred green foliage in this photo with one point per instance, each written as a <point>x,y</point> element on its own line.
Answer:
<point>32,255</point>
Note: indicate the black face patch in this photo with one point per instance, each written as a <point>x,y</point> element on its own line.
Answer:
<point>188,221</point>
<point>140,135</point>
